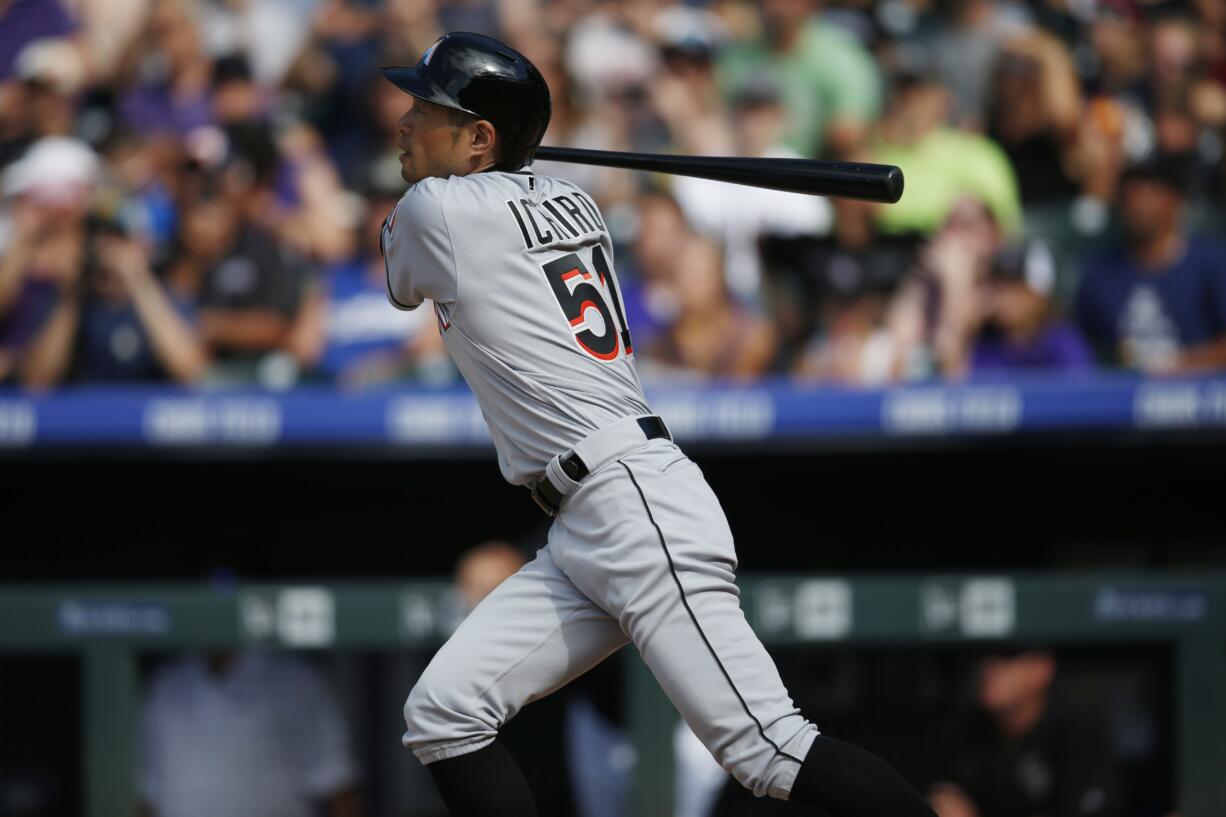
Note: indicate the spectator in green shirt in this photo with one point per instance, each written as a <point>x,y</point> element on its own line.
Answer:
<point>941,164</point>
<point>829,82</point>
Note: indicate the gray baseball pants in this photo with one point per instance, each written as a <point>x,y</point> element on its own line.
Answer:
<point>639,552</point>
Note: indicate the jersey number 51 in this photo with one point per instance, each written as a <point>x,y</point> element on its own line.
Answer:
<point>584,305</point>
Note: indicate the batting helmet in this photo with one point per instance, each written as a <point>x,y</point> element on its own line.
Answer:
<point>488,79</point>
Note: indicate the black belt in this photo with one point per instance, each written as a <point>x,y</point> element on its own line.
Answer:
<point>549,498</point>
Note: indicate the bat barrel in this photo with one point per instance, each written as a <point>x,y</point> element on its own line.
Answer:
<point>857,180</point>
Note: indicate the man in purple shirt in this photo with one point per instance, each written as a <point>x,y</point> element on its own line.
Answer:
<point>1157,301</point>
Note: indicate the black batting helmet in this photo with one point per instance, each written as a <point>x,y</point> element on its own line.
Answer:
<point>488,79</point>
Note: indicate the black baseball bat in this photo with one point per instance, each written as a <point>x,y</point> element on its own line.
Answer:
<point>854,180</point>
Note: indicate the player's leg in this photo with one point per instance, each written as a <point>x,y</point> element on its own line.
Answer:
<point>530,636</point>
<point>648,541</point>
<point>674,592</point>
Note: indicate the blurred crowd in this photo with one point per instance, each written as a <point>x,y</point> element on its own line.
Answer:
<point>192,190</point>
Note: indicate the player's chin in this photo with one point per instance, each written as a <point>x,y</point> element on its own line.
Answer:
<point>406,170</point>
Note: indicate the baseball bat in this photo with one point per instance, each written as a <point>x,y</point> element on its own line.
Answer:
<point>855,180</point>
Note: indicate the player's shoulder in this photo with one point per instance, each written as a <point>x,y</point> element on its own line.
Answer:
<point>436,188</point>
<point>500,185</point>
<point>430,195</point>
<point>439,200</point>
<point>545,180</point>
<point>432,205</point>
<point>553,186</point>
<point>421,198</point>
<point>418,207</point>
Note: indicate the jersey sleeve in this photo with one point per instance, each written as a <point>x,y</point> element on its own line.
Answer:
<point>417,249</point>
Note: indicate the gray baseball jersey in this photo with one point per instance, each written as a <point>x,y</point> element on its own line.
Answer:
<point>520,270</point>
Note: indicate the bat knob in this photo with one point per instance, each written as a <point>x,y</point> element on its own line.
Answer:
<point>894,184</point>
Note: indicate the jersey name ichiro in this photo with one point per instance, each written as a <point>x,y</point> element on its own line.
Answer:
<point>582,217</point>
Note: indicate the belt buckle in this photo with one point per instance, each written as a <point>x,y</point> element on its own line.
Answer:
<point>541,502</point>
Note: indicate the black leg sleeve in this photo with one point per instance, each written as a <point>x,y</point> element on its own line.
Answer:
<point>843,780</point>
<point>484,783</point>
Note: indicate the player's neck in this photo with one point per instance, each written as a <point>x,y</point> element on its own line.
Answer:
<point>480,164</point>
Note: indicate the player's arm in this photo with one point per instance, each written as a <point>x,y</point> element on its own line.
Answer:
<point>417,248</point>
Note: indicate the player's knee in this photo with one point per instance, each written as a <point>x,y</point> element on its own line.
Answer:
<point>767,769</point>
<point>437,720</point>
<point>749,768</point>
<point>770,777</point>
<point>756,777</point>
<point>420,712</point>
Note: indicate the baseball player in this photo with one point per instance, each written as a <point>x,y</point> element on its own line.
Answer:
<point>519,268</point>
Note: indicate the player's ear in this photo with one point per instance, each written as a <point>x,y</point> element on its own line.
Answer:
<point>484,139</point>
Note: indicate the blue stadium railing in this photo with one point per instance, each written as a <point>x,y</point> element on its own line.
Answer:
<point>412,419</point>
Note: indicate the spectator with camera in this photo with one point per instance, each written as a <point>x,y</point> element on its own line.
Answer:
<point>42,249</point>
<point>933,314</point>
<point>121,323</point>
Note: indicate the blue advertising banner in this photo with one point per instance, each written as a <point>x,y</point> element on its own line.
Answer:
<point>764,411</point>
